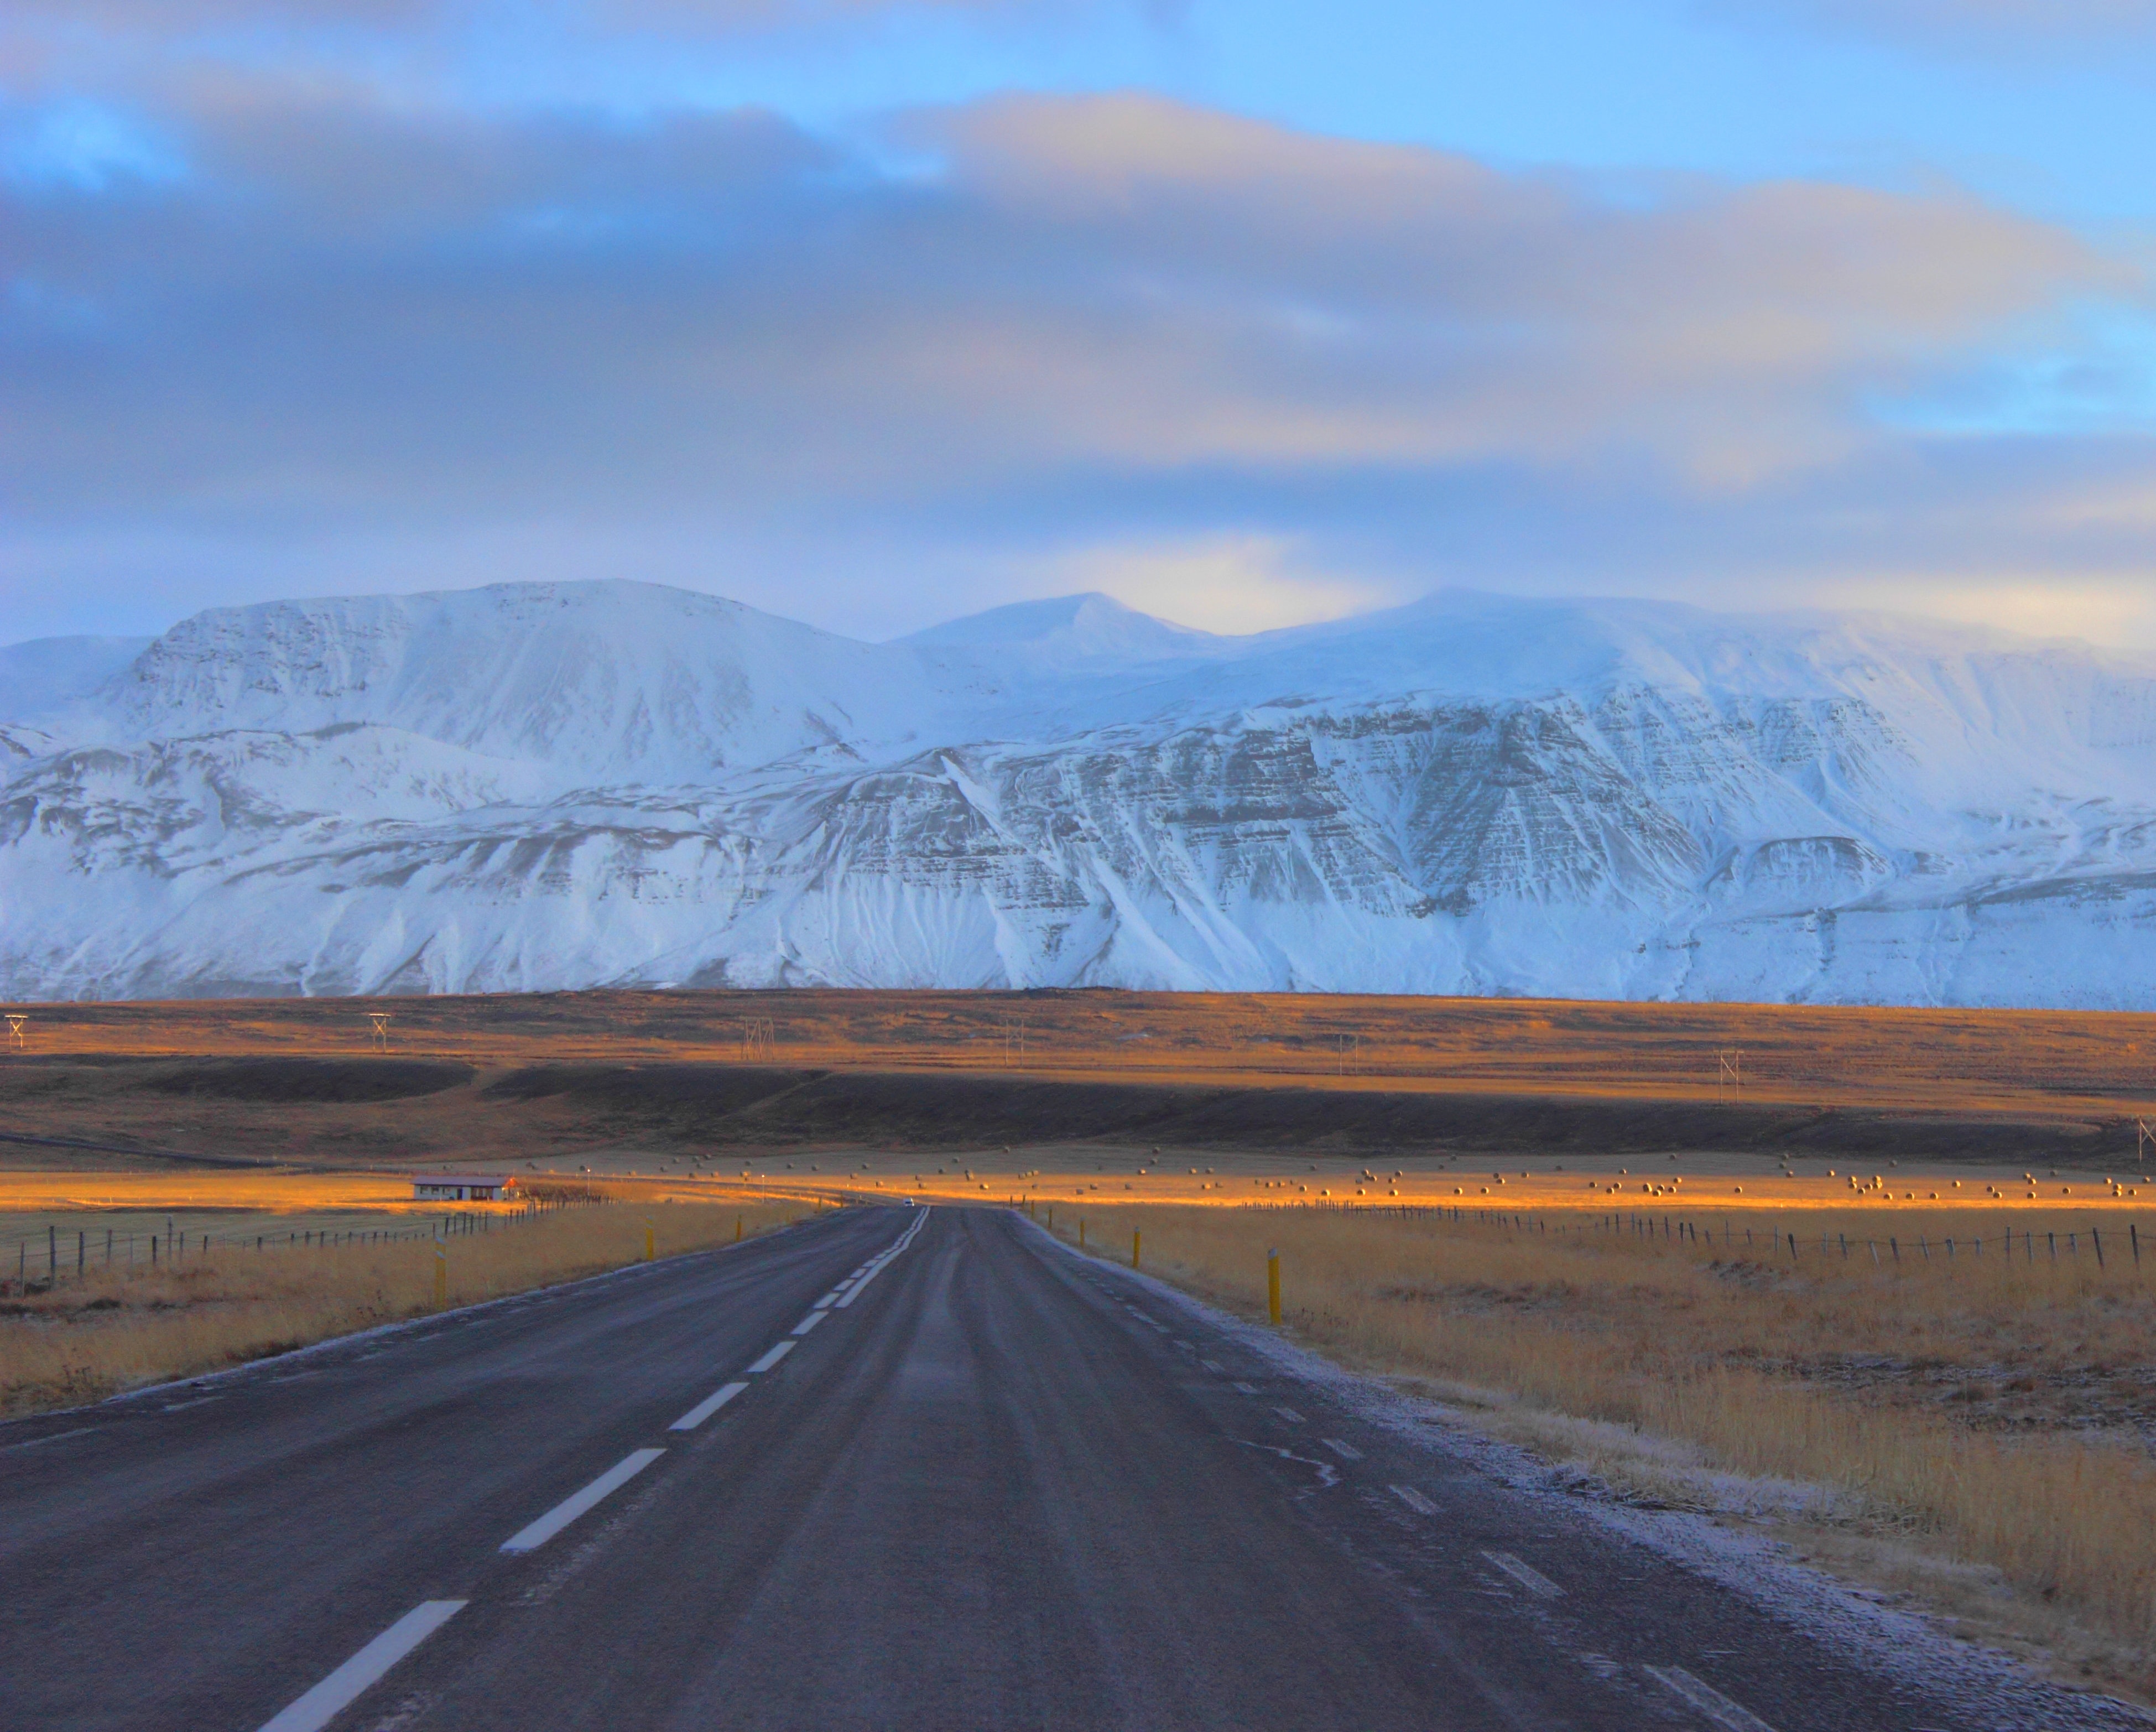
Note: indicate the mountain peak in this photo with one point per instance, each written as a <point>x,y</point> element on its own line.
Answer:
<point>1086,626</point>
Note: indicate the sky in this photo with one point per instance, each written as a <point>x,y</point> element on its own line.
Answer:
<point>875,313</point>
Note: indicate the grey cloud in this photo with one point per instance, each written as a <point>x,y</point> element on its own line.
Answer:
<point>421,330</point>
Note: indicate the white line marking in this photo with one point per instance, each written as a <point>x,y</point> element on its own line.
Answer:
<point>1708,1700</point>
<point>771,1358</point>
<point>342,1687</point>
<point>875,1266</point>
<point>1248,1388</point>
<point>809,1322</point>
<point>1529,1577</point>
<point>706,1408</point>
<point>1345,1452</point>
<point>827,1299</point>
<point>569,1508</point>
<point>1289,1415</point>
<point>1210,1364</point>
<point>1414,1500</point>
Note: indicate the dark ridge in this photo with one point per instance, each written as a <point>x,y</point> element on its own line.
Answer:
<point>346,1082</point>
<point>661,1090</point>
<point>729,1105</point>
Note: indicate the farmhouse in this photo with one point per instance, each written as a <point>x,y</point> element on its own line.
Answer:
<point>459,1187</point>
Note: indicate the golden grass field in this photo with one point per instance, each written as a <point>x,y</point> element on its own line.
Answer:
<point>120,1325</point>
<point>1991,1409</point>
<point>2044,1062</point>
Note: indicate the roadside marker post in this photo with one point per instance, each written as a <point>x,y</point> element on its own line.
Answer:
<point>1081,1232</point>
<point>1136,1238</point>
<point>441,1272</point>
<point>650,1243</point>
<point>737,1225</point>
<point>1272,1285</point>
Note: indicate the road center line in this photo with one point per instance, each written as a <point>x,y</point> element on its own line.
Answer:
<point>705,1409</point>
<point>1289,1415</point>
<point>772,1358</point>
<point>342,1687</point>
<point>1708,1700</point>
<point>569,1508</point>
<point>809,1322</point>
<point>1345,1452</point>
<point>1414,1500</point>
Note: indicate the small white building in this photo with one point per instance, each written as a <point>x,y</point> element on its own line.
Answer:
<point>459,1187</point>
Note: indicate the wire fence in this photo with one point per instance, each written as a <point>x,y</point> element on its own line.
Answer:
<point>1770,1241</point>
<point>39,1263</point>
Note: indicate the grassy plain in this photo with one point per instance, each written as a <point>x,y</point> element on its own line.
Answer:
<point>609,1078</point>
<point>122,1325</point>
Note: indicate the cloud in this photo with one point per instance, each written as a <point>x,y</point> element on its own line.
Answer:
<point>1063,326</point>
<point>181,19</point>
<point>1232,583</point>
<point>1984,25</point>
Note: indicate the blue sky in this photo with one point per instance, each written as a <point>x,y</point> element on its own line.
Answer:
<point>875,313</point>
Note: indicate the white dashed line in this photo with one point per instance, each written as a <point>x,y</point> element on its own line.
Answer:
<point>344,1686</point>
<point>809,1322</point>
<point>568,1509</point>
<point>1289,1415</point>
<point>1247,1389</point>
<point>705,1409</point>
<point>1708,1700</point>
<point>1414,1500</point>
<point>1345,1452</point>
<point>828,1298</point>
<point>1529,1577</point>
<point>773,1358</point>
<point>1213,1365</point>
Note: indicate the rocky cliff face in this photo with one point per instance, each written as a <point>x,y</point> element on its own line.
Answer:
<point>544,786</point>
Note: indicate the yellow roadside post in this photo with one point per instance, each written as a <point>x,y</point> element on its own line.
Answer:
<point>737,1221</point>
<point>1136,1236</point>
<point>1272,1285</point>
<point>1081,1232</point>
<point>1051,1217</point>
<point>648,1244</point>
<point>441,1271</point>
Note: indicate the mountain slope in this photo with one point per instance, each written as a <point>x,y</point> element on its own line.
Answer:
<point>544,786</point>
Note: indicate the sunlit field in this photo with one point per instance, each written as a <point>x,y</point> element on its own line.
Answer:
<point>115,1325</point>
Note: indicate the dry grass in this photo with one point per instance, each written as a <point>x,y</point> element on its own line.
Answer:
<point>120,1327</point>
<point>1997,1409</point>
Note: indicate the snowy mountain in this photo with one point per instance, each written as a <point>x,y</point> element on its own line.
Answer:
<point>536,786</point>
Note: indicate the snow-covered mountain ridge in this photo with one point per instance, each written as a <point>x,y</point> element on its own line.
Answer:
<point>538,786</point>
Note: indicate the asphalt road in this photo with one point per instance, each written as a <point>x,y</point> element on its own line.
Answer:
<point>995,1485</point>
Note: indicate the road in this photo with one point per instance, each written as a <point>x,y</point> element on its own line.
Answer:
<point>995,1485</point>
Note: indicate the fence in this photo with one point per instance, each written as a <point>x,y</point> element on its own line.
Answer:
<point>39,1263</point>
<point>1773,1241</point>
